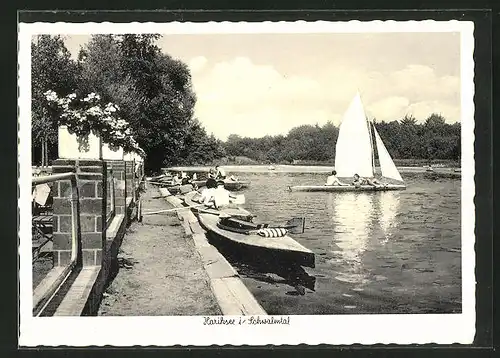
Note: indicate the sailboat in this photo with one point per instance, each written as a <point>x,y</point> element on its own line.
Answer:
<point>355,154</point>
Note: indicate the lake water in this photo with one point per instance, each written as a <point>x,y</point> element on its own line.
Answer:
<point>381,252</point>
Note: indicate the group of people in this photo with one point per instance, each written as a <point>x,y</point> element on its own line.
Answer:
<point>182,178</point>
<point>218,173</point>
<point>215,194</point>
<point>357,181</point>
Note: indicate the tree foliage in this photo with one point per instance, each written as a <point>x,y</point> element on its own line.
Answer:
<point>51,69</point>
<point>404,139</point>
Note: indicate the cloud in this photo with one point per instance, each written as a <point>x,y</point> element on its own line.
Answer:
<point>242,97</point>
<point>197,63</point>
<point>422,110</point>
<point>388,109</point>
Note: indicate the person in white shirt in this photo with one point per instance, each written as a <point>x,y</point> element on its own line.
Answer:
<point>221,195</point>
<point>208,195</point>
<point>177,180</point>
<point>332,180</point>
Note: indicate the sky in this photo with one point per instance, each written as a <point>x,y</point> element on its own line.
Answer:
<point>265,84</point>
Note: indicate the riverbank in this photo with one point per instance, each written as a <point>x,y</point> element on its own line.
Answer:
<point>159,272</point>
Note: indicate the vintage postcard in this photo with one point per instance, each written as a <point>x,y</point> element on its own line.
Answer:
<point>246,183</point>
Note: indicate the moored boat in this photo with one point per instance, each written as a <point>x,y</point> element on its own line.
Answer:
<point>229,184</point>
<point>233,228</point>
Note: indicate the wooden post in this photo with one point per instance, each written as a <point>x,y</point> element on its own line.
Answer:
<point>43,154</point>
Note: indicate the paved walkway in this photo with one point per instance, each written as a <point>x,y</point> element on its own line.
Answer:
<point>160,272</point>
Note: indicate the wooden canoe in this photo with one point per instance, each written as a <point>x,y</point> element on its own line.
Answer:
<point>228,184</point>
<point>235,211</point>
<point>335,188</point>
<point>252,246</point>
<point>177,189</point>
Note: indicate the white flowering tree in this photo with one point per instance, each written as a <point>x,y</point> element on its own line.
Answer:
<point>85,115</point>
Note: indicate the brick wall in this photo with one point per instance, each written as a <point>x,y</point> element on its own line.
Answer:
<point>92,207</point>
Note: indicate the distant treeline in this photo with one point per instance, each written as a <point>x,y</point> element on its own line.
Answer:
<point>434,139</point>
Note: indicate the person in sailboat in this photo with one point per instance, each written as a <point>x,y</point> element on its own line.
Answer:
<point>358,181</point>
<point>332,180</point>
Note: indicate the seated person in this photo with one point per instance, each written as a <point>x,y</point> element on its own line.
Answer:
<point>358,181</point>
<point>333,180</point>
<point>177,180</point>
<point>222,196</point>
<point>207,195</point>
<point>211,173</point>
<point>220,173</point>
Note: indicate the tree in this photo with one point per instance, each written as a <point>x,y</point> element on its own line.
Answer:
<point>154,91</point>
<point>51,69</point>
<point>409,144</point>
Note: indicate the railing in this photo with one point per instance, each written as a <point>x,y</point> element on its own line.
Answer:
<point>42,296</point>
<point>47,170</point>
<point>139,182</point>
<point>110,198</point>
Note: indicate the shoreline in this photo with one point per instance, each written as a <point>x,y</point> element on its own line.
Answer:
<point>287,168</point>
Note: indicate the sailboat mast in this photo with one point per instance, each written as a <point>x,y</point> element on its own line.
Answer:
<point>370,130</point>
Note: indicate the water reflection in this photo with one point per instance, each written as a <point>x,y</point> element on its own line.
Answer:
<point>356,217</point>
<point>388,203</point>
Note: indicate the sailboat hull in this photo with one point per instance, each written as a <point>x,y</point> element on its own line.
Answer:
<point>348,188</point>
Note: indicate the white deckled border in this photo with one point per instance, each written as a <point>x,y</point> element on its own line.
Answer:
<point>312,330</point>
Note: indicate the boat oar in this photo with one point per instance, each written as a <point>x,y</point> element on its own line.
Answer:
<point>174,209</point>
<point>162,183</point>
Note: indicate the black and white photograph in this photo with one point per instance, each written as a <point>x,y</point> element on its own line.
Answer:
<point>246,183</point>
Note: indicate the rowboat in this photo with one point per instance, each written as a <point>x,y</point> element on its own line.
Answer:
<point>234,211</point>
<point>229,184</point>
<point>355,154</point>
<point>244,237</point>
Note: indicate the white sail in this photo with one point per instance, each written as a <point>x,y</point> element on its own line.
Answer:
<point>353,152</point>
<point>387,166</point>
